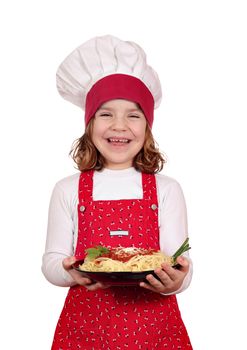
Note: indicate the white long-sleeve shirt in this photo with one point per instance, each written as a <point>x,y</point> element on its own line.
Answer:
<point>109,184</point>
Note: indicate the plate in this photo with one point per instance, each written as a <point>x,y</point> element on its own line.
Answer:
<point>115,278</point>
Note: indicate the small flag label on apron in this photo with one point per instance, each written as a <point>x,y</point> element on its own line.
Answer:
<point>119,233</point>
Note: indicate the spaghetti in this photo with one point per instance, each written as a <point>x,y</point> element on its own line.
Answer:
<point>126,259</point>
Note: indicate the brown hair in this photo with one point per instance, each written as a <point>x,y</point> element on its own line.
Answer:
<point>87,157</point>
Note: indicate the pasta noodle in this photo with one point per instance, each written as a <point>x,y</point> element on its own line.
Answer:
<point>126,259</point>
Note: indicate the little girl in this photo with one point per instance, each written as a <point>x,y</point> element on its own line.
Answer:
<point>117,199</point>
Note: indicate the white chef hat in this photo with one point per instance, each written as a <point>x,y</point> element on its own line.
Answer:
<point>106,68</point>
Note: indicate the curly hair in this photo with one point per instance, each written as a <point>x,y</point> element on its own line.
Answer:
<point>86,156</point>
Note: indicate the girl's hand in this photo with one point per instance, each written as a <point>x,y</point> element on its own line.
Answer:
<point>78,278</point>
<point>170,279</point>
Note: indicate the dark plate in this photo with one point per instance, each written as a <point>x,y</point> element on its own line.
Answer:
<point>115,278</point>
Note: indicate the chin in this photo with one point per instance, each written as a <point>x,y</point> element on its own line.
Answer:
<point>119,165</point>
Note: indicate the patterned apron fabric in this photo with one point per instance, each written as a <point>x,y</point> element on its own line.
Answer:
<point>118,317</point>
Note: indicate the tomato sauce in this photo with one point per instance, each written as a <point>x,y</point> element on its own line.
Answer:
<point>123,256</point>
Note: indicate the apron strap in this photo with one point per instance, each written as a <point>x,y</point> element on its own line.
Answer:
<point>85,190</point>
<point>149,188</point>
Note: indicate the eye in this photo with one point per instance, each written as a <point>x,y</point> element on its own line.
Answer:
<point>134,116</point>
<point>103,115</point>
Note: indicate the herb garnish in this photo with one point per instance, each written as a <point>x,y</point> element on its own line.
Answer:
<point>184,247</point>
<point>93,253</point>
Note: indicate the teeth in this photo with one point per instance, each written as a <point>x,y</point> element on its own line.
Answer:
<point>119,140</point>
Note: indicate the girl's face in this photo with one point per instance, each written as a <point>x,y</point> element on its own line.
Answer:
<point>118,133</point>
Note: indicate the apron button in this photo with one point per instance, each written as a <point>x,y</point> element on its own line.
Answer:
<point>82,208</point>
<point>154,206</point>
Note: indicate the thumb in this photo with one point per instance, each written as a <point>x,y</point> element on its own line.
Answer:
<point>68,262</point>
<point>184,263</point>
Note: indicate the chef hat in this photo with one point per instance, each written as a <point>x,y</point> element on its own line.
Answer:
<point>106,68</point>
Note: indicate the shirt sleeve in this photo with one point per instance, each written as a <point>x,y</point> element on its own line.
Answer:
<point>59,241</point>
<point>173,224</point>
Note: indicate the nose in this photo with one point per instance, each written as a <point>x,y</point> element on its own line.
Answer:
<point>119,123</point>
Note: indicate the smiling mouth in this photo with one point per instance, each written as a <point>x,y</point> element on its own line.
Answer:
<point>117,140</point>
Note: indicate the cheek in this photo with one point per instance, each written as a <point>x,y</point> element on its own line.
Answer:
<point>140,134</point>
<point>97,131</point>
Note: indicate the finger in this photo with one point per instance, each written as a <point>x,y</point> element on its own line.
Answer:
<point>163,276</point>
<point>104,286</point>
<point>68,262</point>
<point>78,278</point>
<point>147,286</point>
<point>98,285</point>
<point>155,283</point>
<point>170,273</point>
<point>184,263</point>
<point>94,286</point>
<point>84,281</point>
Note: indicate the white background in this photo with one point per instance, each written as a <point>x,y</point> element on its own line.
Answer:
<point>199,50</point>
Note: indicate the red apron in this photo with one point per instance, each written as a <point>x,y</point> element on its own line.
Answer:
<point>119,317</point>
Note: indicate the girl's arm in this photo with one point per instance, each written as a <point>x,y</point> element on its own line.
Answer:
<point>59,250</point>
<point>173,232</point>
<point>174,227</point>
<point>59,241</point>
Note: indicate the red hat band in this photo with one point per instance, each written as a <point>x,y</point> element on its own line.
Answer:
<point>119,86</point>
